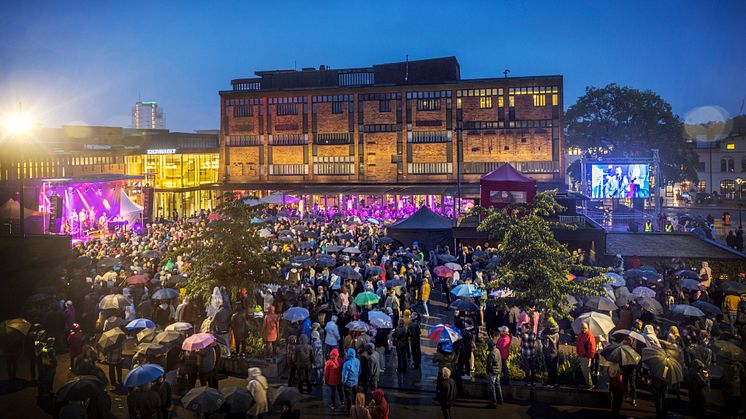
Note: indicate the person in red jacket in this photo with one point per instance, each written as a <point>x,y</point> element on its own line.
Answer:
<point>586,348</point>
<point>380,406</point>
<point>333,378</point>
<point>75,343</point>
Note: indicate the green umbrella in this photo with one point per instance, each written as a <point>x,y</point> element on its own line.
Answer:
<point>151,349</point>
<point>110,338</point>
<point>662,365</point>
<point>621,354</point>
<point>146,335</point>
<point>729,350</point>
<point>366,298</point>
<point>169,338</point>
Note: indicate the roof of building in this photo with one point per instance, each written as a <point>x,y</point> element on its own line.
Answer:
<point>667,245</point>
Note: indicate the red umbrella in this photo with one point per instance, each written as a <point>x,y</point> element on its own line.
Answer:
<point>443,271</point>
<point>137,279</point>
<point>213,217</point>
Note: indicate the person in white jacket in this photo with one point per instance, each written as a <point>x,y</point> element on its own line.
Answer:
<point>258,387</point>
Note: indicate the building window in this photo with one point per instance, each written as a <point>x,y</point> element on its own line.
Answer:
<point>540,100</point>
<point>243,110</point>
<point>506,148</point>
<point>730,146</point>
<point>727,165</point>
<point>511,101</point>
<point>727,186</point>
<point>384,106</point>
<point>287,109</point>
<point>485,102</point>
<point>500,101</point>
<point>555,99</point>
<point>337,107</point>
<point>428,104</point>
<point>702,186</point>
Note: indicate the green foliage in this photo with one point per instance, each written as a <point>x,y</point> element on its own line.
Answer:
<point>617,121</point>
<point>515,368</point>
<point>480,359</point>
<point>230,253</point>
<point>568,369</point>
<point>532,262</point>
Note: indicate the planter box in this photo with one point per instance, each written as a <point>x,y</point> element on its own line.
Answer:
<point>553,396</point>
<point>239,366</point>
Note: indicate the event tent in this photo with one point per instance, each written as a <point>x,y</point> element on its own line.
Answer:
<point>425,227</point>
<point>130,211</point>
<point>506,185</point>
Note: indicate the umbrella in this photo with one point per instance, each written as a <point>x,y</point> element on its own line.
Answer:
<point>443,333</point>
<point>151,254</point>
<point>334,248</point>
<point>621,354</point>
<point>506,293</point>
<point>165,294</point>
<point>285,395</point>
<point>151,349</point>
<point>179,327</point>
<point>351,250</point>
<point>295,314</point>
<point>238,399</point>
<point>707,307</point>
<point>615,280</point>
<point>325,261</point>
<point>366,298</point>
<point>570,300</point>
<point>286,239</point>
<point>453,266</point>
<point>270,219</point>
<point>689,284</point>
<point>303,260</point>
<point>466,290</point>
<point>197,341</point>
<point>648,268</point>
<point>447,258</point>
<point>203,400</point>
<point>285,233</point>
<point>662,365</point>
<point>443,271</point>
<point>480,253</point>
<point>599,324</point>
<point>306,245</point>
<point>115,301</point>
<point>140,324</point>
<point>82,261</point>
<point>687,310</point>
<point>354,220</point>
<point>300,228</point>
<point>386,240</point>
<point>380,319</point>
<point>214,217</point>
<point>395,283</point>
<point>651,305</point>
<point>732,287</point>
<point>600,303</point>
<point>373,221</point>
<point>631,334</point>
<point>624,299</point>
<point>21,326</point>
<point>80,388</point>
<point>110,338</point>
<point>463,305</point>
<point>686,273</point>
<point>146,335</point>
<point>347,272</point>
<point>256,220</point>
<point>108,263</point>
<point>374,270</point>
<point>643,292</point>
<point>730,351</point>
<point>357,326</point>
<point>169,338</point>
<point>310,235</point>
<point>265,233</point>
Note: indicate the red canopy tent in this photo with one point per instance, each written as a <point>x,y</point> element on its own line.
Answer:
<point>506,185</point>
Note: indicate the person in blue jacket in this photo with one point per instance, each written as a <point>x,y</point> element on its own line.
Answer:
<point>350,373</point>
<point>305,328</point>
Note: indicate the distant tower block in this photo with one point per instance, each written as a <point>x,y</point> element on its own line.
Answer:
<point>148,115</point>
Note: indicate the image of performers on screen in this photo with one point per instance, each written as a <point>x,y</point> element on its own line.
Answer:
<point>621,181</point>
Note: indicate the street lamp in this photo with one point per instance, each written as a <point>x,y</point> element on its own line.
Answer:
<point>17,125</point>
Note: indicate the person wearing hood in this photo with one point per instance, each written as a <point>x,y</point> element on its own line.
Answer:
<point>401,341</point>
<point>650,336</point>
<point>550,347</point>
<point>414,332</point>
<point>494,369</point>
<point>374,365</point>
<point>317,362</point>
<point>303,356</point>
<point>350,373</point>
<point>221,326</point>
<point>270,330</point>
<point>333,377</point>
<point>240,327</point>
<point>258,387</point>
<point>380,408</point>
<point>162,315</point>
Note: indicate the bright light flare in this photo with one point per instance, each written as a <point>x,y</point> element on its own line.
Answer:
<point>16,123</point>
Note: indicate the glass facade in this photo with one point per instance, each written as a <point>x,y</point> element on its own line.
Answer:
<point>175,171</point>
<point>184,203</point>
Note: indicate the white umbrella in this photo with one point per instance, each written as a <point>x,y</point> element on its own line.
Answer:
<point>453,266</point>
<point>598,323</point>
<point>265,233</point>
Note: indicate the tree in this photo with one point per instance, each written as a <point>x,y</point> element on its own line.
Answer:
<point>616,121</point>
<point>230,253</point>
<point>533,264</point>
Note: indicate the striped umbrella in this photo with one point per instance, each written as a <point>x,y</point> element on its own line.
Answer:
<point>443,333</point>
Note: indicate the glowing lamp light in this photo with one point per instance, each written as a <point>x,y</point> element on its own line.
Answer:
<point>16,123</point>
<point>107,205</point>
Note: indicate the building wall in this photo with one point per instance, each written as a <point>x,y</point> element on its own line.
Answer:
<point>405,134</point>
<point>722,166</point>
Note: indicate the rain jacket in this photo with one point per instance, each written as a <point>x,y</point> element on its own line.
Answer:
<point>503,345</point>
<point>350,369</point>
<point>333,369</point>
<point>381,408</point>
<point>258,387</point>
<point>425,290</point>
<point>586,345</point>
<point>271,326</point>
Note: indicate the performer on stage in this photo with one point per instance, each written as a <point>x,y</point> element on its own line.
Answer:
<point>82,221</point>
<point>103,223</point>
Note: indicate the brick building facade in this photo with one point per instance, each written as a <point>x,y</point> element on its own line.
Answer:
<point>392,124</point>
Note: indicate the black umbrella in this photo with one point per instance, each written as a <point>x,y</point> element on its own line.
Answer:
<point>732,287</point>
<point>621,354</point>
<point>82,261</point>
<point>285,395</point>
<point>730,351</point>
<point>237,399</point>
<point>685,273</point>
<point>325,261</point>
<point>463,305</point>
<point>304,261</point>
<point>108,263</point>
<point>662,365</point>
<point>146,335</point>
<point>708,308</point>
<point>385,240</point>
<point>374,270</point>
<point>300,228</point>
<point>651,305</point>
<point>169,338</point>
<point>80,388</point>
<point>203,400</point>
<point>347,272</point>
<point>447,258</point>
<point>345,236</point>
<point>310,235</point>
<point>334,248</point>
<point>151,349</point>
<point>110,338</point>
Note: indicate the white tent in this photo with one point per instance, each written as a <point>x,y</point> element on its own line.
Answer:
<point>279,198</point>
<point>130,211</point>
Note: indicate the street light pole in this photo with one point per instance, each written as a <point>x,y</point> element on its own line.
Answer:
<point>458,172</point>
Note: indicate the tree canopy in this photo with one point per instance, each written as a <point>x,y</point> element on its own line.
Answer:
<point>533,264</point>
<point>617,121</point>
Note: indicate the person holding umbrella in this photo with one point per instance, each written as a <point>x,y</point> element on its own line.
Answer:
<point>143,402</point>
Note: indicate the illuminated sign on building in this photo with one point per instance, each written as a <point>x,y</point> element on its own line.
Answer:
<point>161,151</point>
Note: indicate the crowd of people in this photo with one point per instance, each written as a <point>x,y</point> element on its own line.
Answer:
<point>350,303</point>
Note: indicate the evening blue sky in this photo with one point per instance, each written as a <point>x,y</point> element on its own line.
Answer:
<point>71,61</point>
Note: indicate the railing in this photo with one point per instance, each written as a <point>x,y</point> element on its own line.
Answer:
<point>288,139</point>
<point>429,168</point>
<point>572,219</point>
<point>527,167</point>
<point>334,169</point>
<point>430,137</point>
<point>340,138</point>
<point>243,140</point>
<point>288,169</point>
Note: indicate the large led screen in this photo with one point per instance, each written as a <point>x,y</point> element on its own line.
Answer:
<point>620,181</point>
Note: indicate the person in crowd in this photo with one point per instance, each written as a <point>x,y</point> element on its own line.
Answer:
<point>303,359</point>
<point>503,345</point>
<point>359,410</point>
<point>586,350</point>
<point>380,408</point>
<point>75,344</point>
<point>494,370</point>
<point>317,363</point>
<point>144,403</point>
<point>446,393</point>
<point>550,342</point>
<point>616,389</point>
<point>257,387</point>
<point>332,338</point>
<point>288,411</point>
<point>350,373</point>
<point>333,379</point>
<point>401,341</point>
<point>413,334</point>
<point>270,331</point>
<point>529,353</point>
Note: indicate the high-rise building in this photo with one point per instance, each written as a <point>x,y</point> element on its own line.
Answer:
<point>148,115</point>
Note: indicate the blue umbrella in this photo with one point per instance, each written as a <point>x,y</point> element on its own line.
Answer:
<point>395,283</point>
<point>686,273</point>
<point>466,290</point>
<point>689,284</point>
<point>615,280</point>
<point>686,310</point>
<point>256,220</point>
<point>146,373</point>
<point>444,333</point>
<point>707,307</point>
<point>295,314</point>
<point>447,258</point>
<point>165,294</point>
<point>140,324</point>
